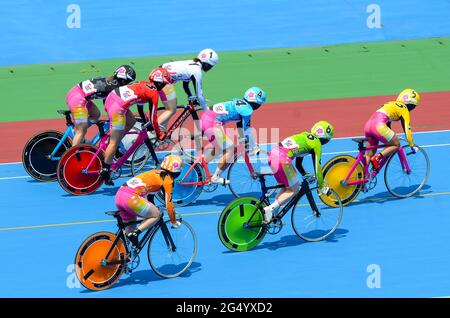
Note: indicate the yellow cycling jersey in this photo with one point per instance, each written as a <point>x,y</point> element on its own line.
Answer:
<point>398,111</point>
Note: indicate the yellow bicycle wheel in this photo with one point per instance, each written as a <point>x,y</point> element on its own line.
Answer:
<point>334,172</point>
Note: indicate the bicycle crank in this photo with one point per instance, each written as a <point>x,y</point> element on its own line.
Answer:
<point>210,187</point>
<point>275,226</point>
<point>115,174</point>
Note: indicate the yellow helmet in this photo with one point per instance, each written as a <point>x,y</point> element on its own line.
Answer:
<point>409,96</point>
<point>172,163</point>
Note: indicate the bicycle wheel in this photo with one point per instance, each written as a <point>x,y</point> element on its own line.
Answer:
<point>242,183</point>
<point>314,226</point>
<point>90,256</point>
<point>236,232</point>
<point>169,261</point>
<point>189,136</point>
<point>36,154</point>
<point>334,173</point>
<point>142,160</point>
<point>402,184</point>
<point>184,192</point>
<point>70,170</point>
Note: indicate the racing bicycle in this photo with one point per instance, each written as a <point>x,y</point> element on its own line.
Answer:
<point>405,174</point>
<point>241,224</point>
<point>104,256</point>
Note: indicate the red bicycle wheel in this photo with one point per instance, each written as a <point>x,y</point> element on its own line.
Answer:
<point>71,174</point>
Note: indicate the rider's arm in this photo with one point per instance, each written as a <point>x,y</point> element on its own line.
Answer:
<point>299,165</point>
<point>141,112</point>
<point>245,125</point>
<point>316,154</point>
<point>196,80</point>
<point>168,188</point>
<point>407,128</point>
<point>186,88</point>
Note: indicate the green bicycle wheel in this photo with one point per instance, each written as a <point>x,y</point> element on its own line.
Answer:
<point>236,231</point>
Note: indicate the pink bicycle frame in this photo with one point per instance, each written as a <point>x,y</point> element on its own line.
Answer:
<point>367,174</point>
<point>142,136</point>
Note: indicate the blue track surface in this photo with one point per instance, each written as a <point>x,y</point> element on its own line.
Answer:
<point>407,238</point>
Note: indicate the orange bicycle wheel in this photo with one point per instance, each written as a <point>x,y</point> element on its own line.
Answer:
<point>88,262</point>
<point>334,172</point>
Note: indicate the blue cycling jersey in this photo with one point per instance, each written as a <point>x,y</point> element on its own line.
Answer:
<point>236,110</point>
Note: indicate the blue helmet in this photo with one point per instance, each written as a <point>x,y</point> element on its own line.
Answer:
<point>255,95</point>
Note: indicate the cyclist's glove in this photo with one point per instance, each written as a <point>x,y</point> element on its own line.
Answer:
<point>194,100</point>
<point>414,149</point>
<point>325,190</point>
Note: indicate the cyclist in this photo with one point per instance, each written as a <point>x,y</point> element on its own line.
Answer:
<point>238,110</point>
<point>79,98</point>
<point>378,127</point>
<point>297,146</point>
<point>121,120</point>
<point>186,71</point>
<point>135,197</point>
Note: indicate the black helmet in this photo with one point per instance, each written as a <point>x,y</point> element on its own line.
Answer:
<point>125,73</point>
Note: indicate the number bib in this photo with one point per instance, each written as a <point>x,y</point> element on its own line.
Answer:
<point>135,183</point>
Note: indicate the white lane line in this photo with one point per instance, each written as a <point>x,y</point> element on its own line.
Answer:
<point>18,177</point>
<point>10,163</point>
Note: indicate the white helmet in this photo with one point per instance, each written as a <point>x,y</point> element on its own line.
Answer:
<point>208,56</point>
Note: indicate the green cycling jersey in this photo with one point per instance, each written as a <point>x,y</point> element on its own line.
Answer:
<point>299,146</point>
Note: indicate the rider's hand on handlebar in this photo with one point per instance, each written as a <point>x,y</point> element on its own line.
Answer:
<point>176,224</point>
<point>194,100</point>
<point>255,151</point>
<point>414,149</point>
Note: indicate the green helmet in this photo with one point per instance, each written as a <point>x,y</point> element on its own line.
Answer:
<point>323,130</point>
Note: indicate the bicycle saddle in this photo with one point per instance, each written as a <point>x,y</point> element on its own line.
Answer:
<point>63,112</point>
<point>113,213</point>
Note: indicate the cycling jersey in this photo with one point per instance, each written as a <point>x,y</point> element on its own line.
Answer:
<point>151,182</point>
<point>398,111</point>
<point>98,87</point>
<point>119,100</point>
<point>236,110</point>
<point>300,145</point>
<point>188,71</point>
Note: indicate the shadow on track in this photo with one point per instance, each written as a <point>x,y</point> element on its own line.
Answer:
<point>294,240</point>
<point>386,196</point>
<point>144,277</point>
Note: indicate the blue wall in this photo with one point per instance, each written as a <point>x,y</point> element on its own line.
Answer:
<point>36,31</point>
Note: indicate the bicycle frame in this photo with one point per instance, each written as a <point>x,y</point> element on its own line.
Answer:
<point>304,189</point>
<point>201,160</point>
<point>69,133</point>
<point>120,234</point>
<point>188,110</point>
<point>370,174</point>
<point>141,139</point>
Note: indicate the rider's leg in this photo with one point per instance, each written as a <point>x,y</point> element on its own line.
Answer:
<point>169,99</point>
<point>80,131</point>
<point>369,153</point>
<point>285,174</point>
<point>93,112</point>
<point>391,146</point>
<point>225,143</point>
<point>144,209</point>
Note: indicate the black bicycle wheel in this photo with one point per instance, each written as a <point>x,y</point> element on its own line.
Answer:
<point>36,154</point>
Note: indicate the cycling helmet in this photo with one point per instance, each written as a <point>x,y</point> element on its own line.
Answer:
<point>160,77</point>
<point>410,97</point>
<point>125,74</point>
<point>255,96</point>
<point>323,130</point>
<point>208,58</point>
<point>172,163</point>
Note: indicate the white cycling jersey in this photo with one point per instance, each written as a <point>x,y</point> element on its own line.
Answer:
<point>185,71</point>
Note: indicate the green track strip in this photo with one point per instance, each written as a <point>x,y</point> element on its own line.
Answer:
<point>290,74</point>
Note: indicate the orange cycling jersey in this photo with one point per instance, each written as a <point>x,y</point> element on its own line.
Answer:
<point>151,182</point>
<point>398,111</point>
